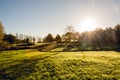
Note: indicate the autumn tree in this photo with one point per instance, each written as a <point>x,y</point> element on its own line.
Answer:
<point>3,45</point>
<point>1,31</point>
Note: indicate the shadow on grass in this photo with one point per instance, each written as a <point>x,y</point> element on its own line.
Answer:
<point>24,68</point>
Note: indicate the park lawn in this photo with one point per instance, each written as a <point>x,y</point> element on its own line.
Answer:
<point>35,65</point>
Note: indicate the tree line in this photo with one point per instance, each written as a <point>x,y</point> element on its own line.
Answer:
<point>99,38</point>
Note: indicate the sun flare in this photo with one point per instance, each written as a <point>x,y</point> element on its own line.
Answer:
<point>88,24</point>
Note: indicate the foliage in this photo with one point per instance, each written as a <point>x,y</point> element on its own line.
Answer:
<point>4,46</point>
<point>117,28</point>
<point>27,40</point>
<point>58,38</point>
<point>71,35</point>
<point>47,47</point>
<point>99,39</point>
<point>9,38</point>
<point>1,32</point>
<point>49,38</point>
<point>68,35</point>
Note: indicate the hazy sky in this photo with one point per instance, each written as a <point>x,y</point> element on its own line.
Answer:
<point>40,17</point>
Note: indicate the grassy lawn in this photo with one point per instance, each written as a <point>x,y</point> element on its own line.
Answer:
<point>35,65</point>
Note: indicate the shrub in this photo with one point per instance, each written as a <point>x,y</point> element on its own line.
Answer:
<point>68,47</point>
<point>4,46</point>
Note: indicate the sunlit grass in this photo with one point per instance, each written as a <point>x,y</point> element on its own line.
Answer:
<point>32,64</point>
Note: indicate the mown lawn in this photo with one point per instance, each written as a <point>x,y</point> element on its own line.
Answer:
<point>35,65</point>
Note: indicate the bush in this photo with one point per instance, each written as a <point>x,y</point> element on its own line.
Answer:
<point>4,46</point>
<point>68,47</point>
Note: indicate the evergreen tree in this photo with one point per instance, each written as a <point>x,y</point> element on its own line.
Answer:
<point>49,38</point>
<point>58,38</point>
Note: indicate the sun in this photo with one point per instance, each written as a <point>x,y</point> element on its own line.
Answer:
<point>88,24</point>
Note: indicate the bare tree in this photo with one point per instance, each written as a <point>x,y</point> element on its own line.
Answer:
<point>69,31</point>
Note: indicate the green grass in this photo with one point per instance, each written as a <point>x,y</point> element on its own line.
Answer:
<point>35,65</point>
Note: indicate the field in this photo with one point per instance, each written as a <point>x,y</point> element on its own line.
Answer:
<point>36,65</point>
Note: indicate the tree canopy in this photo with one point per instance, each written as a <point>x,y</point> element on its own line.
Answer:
<point>1,31</point>
<point>49,38</point>
<point>58,38</point>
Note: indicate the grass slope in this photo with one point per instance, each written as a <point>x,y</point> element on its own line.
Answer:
<point>35,65</point>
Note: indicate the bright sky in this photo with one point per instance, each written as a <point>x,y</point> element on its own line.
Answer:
<point>40,17</point>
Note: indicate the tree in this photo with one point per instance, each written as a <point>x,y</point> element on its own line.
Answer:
<point>69,29</point>
<point>117,29</point>
<point>9,38</point>
<point>75,37</point>
<point>49,38</point>
<point>58,38</point>
<point>26,40</point>
<point>39,40</point>
<point>34,39</point>
<point>1,32</point>
<point>68,35</point>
